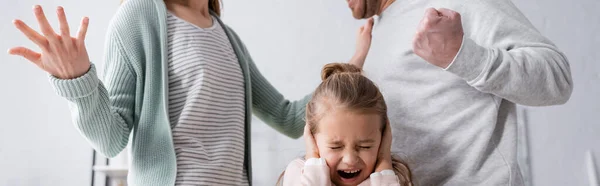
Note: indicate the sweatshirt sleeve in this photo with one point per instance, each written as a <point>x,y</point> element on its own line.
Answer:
<point>384,178</point>
<point>503,54</point>
<point>312,172</point>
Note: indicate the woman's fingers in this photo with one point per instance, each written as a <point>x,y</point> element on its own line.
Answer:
<point>31,34</point>
<point>82,31</point>
<point>28,54</point>
<point>62,56</point>
<point>64,28</point>
<point>44,25</point>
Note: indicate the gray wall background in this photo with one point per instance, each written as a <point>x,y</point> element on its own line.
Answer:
<point>290,41</point>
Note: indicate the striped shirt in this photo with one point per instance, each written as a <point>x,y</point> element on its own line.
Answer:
<point>206,105</point>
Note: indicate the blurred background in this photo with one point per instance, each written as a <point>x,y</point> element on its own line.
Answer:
<point>290,41</point>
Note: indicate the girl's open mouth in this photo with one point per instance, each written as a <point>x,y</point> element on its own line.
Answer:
<point>348,175</point>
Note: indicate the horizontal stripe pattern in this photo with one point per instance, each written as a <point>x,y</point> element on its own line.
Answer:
<point>206,105</point>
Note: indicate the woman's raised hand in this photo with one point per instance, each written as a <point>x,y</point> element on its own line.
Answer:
<point>62,56</point>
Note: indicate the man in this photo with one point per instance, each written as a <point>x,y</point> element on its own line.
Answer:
<point>452,79</point>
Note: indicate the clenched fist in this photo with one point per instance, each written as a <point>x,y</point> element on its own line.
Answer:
<point>439,36</point>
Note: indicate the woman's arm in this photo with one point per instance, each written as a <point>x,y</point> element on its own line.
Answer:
<point>269,105</point>
<point>104,116</point>
<point>363,44</point>
<point>273,108</point>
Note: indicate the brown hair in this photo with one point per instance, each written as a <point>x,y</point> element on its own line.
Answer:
<point>344,87</point>
<point>213,5</point>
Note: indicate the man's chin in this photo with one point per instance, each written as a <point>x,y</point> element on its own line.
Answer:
<point>358,15</point>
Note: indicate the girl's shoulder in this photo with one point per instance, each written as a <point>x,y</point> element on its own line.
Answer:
<point>296,164</point>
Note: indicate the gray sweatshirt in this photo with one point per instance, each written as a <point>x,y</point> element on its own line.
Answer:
<point>457,126</point>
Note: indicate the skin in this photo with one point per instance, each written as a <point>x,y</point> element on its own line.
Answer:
<point>62,55</point>
<point>350,141</point>
<point>438,37</point>
<point>66,57</point>
<point>363,44</point>
<point>362,9</point>
<point>195,12</point>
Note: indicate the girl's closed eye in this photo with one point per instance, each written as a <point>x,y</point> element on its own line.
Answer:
<point>365,144</point>
<point>345,122</point>
<point>365,147</point>
<point>336,147</point>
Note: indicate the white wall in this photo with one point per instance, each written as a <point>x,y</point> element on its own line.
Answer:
<point>561,135</point>
<point>38,143</point>
<point>290,41</point>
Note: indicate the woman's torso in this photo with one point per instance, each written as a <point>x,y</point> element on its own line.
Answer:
<point>206,105</point>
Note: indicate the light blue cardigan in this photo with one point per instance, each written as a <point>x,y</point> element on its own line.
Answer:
<point>133,96</point>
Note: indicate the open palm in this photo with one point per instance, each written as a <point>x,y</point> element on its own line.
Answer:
<point>62,56</point>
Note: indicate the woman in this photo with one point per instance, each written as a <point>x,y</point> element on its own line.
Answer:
<point>178,79</point>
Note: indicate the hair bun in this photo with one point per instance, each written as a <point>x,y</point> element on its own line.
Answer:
<point>338,68</point>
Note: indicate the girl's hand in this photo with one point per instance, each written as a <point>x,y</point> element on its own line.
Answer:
<point>384,159</point>
<point>61,55</point>
<point>311,146</point>
<point>363,44</point>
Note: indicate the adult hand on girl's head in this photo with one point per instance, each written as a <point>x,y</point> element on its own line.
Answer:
<point>311,146</point>
<point>61,55</point>
<point>363,44</point>
<point>384,159</point>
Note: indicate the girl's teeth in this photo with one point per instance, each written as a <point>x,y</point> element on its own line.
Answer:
<point>350,172</point>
